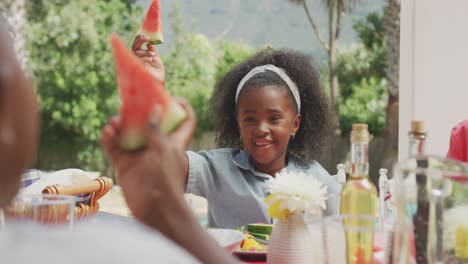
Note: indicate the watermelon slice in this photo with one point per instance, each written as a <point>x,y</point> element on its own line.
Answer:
<point>140,91</point>
<point>151,26</point>
<point>261,236</point>
<point>259,228</point>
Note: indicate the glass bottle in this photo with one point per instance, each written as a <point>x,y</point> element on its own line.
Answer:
<point>359,197</point>
<point>417,139</point>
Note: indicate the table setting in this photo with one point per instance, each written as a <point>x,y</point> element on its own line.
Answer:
<point>307,226</point>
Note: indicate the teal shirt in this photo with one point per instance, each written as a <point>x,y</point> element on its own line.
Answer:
<point>235,191</point>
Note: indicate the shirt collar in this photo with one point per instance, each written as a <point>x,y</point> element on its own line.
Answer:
<point>242,160</point>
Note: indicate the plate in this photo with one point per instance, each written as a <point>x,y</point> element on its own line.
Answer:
<point>228,239</point>
<point>247,255</point>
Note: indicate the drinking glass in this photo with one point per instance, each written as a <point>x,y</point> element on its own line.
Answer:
<point>432,195</point>
<point>48,209</point>
<point>357,239</point>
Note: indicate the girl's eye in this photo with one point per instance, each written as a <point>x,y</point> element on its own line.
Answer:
<point>276,118</point>
<point>249,119</point>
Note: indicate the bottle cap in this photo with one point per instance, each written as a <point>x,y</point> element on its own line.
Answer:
<point>360,134</point>
<point>417,126</point>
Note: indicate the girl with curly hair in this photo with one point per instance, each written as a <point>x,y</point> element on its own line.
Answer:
<point>270,115</point>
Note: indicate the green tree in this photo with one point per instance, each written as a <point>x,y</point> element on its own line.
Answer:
<point>14,12</point>
<point>71,62</point>
<point>195,63</point>
<point>337,9</point>
<point>366,105</point>
<point>392,69</point>
<point>361,71</point>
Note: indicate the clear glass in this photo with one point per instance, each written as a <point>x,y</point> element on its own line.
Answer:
<point>359,159</point>
<point>340,232</point>
<point>416,143</point>
<point>49,209</point>
<point>431,195</point>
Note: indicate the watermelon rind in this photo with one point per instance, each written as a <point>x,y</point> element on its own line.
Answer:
<point>261,236</point>
<point>265,229</point>
<point>154,38</point>
<point>173,116</point>
<point>132,140</point>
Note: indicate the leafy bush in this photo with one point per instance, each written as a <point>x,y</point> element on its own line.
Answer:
<point>361,75</point>
<point>195,64</point>
<point>71,63</point>
<point>366,105</point>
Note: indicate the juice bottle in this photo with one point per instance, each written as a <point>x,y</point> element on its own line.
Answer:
<point>359,197</point>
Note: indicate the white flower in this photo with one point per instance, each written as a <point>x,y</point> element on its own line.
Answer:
<point>298,192</point>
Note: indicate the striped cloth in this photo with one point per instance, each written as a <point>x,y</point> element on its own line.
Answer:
<point>29,177</point>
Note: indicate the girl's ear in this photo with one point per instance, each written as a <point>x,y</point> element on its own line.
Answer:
<point>296,124</point>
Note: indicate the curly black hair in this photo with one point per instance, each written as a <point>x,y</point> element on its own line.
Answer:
<point>314,126</point>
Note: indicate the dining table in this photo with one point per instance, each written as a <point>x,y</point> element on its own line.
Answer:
<point>110,218</point>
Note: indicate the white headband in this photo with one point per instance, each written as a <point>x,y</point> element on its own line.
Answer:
<point>280,72</point>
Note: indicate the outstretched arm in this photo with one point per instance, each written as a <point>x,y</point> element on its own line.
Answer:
<point>151,59</point>
<point>152,184</point>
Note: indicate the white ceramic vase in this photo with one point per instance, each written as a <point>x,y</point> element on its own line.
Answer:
<point>290,242</point>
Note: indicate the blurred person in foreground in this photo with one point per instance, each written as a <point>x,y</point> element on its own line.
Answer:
<point>157,201</point>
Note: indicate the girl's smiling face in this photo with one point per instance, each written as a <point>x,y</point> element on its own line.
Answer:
<point>267,118</point>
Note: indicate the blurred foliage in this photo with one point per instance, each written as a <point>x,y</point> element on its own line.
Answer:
<point>195,63</point>
<point>361,75</point>
<point>366,105</point>
<point>71,62</point>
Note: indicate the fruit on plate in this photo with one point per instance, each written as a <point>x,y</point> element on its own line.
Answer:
<point>152,26</point>
<point>250,244</point>
<point>261,236</point>
<point>140,92</point>
<point>259,228</point>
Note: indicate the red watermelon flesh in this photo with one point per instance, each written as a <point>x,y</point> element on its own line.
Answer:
<point>151,26</point>
<point>140,92</point>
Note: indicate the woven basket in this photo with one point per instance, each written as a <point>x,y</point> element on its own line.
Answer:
<point>96,188</point>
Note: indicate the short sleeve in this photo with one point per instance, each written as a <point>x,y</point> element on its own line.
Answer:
<point>333,188</point>
<point>325,177</point>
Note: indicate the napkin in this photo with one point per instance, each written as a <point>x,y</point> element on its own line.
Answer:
<point>62,177</point>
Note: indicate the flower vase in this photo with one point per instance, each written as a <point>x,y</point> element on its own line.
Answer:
<point>290,242</point>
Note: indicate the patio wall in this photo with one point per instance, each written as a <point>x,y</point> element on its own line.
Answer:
<point>433,69</point>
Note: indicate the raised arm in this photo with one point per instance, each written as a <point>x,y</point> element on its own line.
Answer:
<point>152,184</point>
<point>153,62</point>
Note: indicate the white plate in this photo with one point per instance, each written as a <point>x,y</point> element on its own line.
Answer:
<point>227,238</point>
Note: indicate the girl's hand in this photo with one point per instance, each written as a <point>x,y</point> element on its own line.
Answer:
<point>149,57</point>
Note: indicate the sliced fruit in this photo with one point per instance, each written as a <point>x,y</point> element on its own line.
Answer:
<point>140,91</point>
<point>260,236</point>
<point>152,26</point>
<point>260,228</point>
